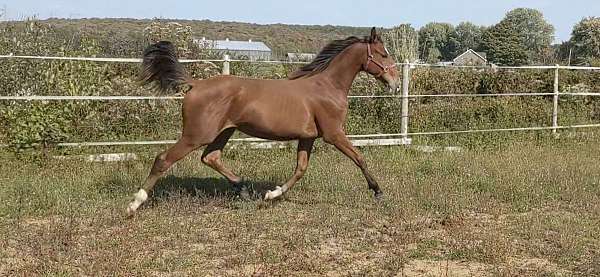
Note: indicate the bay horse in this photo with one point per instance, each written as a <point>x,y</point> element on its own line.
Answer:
<point>312,103</point>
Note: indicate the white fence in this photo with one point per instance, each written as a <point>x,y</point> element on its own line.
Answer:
<point>403,137</point>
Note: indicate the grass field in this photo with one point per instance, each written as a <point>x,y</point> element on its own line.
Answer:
<point>524,209</point>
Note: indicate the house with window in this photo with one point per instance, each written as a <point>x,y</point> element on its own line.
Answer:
<point>471,58</point>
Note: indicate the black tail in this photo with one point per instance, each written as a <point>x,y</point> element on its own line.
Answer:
<point>160,64</point>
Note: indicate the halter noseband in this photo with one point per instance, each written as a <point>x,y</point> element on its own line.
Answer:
<point>385,68</point>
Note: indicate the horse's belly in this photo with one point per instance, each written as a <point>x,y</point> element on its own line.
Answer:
<point>278,126</point>
<point>276,116</point>
<point>278,133</point>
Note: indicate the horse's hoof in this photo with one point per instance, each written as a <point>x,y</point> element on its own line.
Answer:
<point>379,195</point>
<point>244,194</point>
<point>130,212</point>
<point>139,198</point>
<point>273,194</point>
<point>242,191</point>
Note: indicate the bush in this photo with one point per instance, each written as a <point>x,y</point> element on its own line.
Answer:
<point>28,125</point>
<point>35,125</point>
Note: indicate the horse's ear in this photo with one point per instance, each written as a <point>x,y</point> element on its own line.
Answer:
<point>373,37</point>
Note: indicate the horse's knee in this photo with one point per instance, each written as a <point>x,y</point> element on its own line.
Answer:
<point>161,164</point>
<point>302,166</point>
<point>300,170</point>
<point>206,160</point>
<point>210,159</point>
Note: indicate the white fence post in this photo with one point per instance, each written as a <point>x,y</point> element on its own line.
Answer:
<point>226,64</point>
<point>555,102</point>
<point>404,122</point>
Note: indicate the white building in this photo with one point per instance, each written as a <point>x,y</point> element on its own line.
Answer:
<point>247,49</point>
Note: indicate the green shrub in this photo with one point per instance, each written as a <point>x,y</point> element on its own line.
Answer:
<point>35,125</point>
<point>27,124</point>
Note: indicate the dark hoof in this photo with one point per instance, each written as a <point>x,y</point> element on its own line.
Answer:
<point>379,195</point>
<point>242,192</point>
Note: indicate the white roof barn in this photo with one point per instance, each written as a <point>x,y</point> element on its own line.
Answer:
<point>301,57</point>
<point>252,50</point>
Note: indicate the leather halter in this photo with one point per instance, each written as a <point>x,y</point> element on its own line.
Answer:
<point>385,68</point>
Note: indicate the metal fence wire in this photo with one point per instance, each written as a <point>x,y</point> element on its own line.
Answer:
<point>400,138</point>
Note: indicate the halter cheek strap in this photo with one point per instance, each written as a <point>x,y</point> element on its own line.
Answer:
<point>384,68</point>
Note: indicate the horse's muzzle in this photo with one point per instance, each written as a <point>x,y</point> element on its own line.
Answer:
<point>394,87</point>
<point>392,83</point>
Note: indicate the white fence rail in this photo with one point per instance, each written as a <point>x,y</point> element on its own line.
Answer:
<point>130,98</point>
<point>226,58</point>
<point>136,60</point>
<point>370,139</point>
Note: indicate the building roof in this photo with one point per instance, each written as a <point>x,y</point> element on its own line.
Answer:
<point>301,56</point>
<point>481,55</point>
<point>234,45</point>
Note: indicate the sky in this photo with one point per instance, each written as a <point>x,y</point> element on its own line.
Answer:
<point>563,14</point>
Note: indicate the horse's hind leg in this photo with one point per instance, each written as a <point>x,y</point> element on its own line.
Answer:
<point>162,163</point>
<point>212,156</point>
<point>304,149</point>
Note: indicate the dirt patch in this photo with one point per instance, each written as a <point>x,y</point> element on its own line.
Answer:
<point>40,222</point>
<point>536,265</point>
<point>444,268</point>
<point>12,260</point>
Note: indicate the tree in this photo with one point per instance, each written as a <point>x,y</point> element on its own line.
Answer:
<point>434,41</point>
<point>536,34</point>
<point>402,42</point>
<point>562,53</point>
<point>521,30</point>
<point>585,41</point>
<point>464,37</point>
<point>504,46</point>
<point>181,36</point>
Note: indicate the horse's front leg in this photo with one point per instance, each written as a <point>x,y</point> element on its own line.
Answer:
<point>304,149</point>
<point>342,143</point>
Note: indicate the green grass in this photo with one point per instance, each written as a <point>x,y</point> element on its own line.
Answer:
<point>521,209</point>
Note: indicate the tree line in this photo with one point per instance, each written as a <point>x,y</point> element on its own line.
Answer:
<point>522,37</point>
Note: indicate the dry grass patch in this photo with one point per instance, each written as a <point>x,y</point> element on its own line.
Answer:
<point>512,211</point>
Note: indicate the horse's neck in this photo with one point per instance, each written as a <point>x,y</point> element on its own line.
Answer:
<point>343,69</point>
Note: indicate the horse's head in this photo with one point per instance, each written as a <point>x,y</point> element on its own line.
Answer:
<point>379,63</point>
